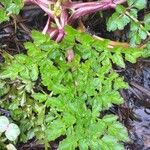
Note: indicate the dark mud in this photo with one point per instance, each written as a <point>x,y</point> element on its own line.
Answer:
<point>137,97</point>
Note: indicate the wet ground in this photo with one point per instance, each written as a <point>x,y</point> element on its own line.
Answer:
<point>135,113</point>
<point>137,97</point>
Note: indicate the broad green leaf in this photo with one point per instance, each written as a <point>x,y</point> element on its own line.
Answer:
<point>97,129</point>
<point>111,25</point>
<point>12,132</point>
<point>4,122</point>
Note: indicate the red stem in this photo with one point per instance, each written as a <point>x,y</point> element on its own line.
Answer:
<point>78,9</point>
<point>90,7</point>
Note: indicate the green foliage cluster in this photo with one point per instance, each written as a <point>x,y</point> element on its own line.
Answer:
<point>9,7</point>
<point>139,30</point>
<point>49,97</point>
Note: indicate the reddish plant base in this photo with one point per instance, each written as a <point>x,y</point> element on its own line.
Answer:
<point>62,12</point>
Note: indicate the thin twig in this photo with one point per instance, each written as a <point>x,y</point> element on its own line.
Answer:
<point>142,89</point>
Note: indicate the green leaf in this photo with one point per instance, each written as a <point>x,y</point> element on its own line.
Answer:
<point>117,21</point>
<point>38,37</point>
<point>4,122</point>
<point>69,119</point>
<point>134,12</point>
<point>83,145</point>
<point>13,9</point>
<point>4,89</point>
<point>120,84</point>
<point>147,21</point>
<point>57,103</point>
<point>118,131</point>
<point>140,4</point>
<point>21,58</point>
<point>3,16</point>
<point>25,74</point>
<point>135,37</point>
<point>146,52</point>
<point>55,129</point>
<point>120,9</point>
<point>12,132</point>
<point>118,60</point>
<point>109,119</point>
<point>109,142</point>
<point>33,50</point>
<point>69,143</point>
<point>143,34</point>
<point>122,22</point>
<point>130,58</point>
<point>9,7</point>
<point>40,97</point>
<point>6,2</point>
<point>97,129</point>
<point>34,72</point>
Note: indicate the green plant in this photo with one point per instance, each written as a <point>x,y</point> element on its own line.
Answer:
<point>61,89</point>
<point>139,30</point>
<point>8,8</point>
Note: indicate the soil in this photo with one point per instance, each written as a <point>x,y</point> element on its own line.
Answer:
<point>134,113</point>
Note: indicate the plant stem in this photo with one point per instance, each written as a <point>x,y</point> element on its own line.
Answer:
<point>136,21</point>
<point>78,9</point>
